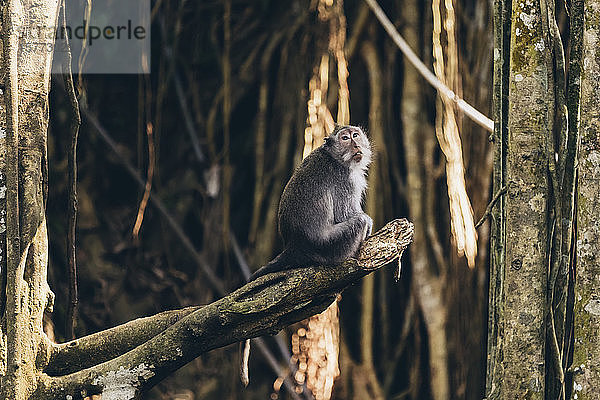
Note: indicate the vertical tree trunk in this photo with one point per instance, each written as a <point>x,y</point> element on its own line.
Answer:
<point>518,280</point>
<point>418,146</point>
<point>374,208</point>
<point>23,160</point>
<point>586,357</point>
<point>494,380</point>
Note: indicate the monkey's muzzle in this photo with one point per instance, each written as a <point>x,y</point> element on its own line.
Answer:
<point>357,156</point>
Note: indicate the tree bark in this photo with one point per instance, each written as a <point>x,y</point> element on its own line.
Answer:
<point>27,62</point>
<point>518,281</point>
<point>586,356</point>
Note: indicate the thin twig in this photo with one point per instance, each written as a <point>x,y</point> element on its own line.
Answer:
<point>148,186</point>
<point>490,206</point>
<point>72,167</point>
<point>145,109</point>
<point>227,168</point>
<point>280,370</point>
<point>569,182</point>
<point>562,201</point>
<point>357,28</point>
<point>84,52</point>
<point>237,251</point>
<point>401,342</point>
<point>410,55</point>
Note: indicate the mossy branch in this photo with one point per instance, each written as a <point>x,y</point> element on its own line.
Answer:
<point>263,306</point>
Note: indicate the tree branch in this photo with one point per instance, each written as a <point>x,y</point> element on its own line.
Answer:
<point>94,349</point>
<point>491,204</point>
<point>263,306</point>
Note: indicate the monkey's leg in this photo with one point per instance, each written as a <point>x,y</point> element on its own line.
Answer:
<point>325,244</point>
<point>341,241</point>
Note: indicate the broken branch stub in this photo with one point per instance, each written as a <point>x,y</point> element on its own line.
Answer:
<point>385,245</point>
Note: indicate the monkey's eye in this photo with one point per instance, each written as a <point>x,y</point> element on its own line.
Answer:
<point>355,134</point>
<point>345,137</point>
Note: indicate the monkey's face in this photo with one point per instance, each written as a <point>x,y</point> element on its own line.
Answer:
<point>350,145</point>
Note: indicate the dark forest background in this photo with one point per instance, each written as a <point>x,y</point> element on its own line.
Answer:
<point>219,175</point>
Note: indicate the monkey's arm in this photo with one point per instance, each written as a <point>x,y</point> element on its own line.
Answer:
<point>338,242</point>
<point>328,241</point>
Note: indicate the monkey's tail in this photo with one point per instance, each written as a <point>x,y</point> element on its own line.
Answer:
<point>285,260</point>
<point>279,263</point>
<point>244,357</point>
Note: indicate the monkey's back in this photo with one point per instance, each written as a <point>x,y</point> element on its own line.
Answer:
<point>319,192</point>
<point>320,216</point>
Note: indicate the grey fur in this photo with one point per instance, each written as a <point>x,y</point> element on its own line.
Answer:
<point>320,214</point>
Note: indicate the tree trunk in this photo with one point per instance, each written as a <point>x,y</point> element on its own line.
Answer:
<point>494,378</point>
<point>375,208</point>
<point>24,115</point>
<point>520,236</point>
<point>419,148</point>
<point>586,357</point>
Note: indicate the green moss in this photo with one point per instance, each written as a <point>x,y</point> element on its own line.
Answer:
<point>527,44</point>
<point>592,17</point>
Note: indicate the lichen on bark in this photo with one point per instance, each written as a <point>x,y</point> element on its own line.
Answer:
<point>529,130</point>
<point>586,356</point>
<point>24,104</point>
